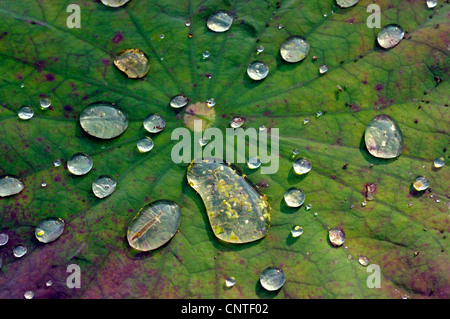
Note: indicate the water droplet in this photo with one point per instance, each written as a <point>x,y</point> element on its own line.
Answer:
<point>57,163</point>
<point>237,122</point>
<point>257,70</point>
<point>262,128</point>
<point>114,3</point>
<point>302,166</point>
<point>410,204</point>
<point>439,162</point>
<point>103,120</point>
<point>19,251</point>
<point>49,230</point>
<point>179,101</point>
<point>79,164</point>
<point>25,113</point>
<point>421,183</point>
<point>45,103</point>
<point>28,294</point>
<point>272,278</point>
<point>49,283</point>
<point>305,121</point>
<point>308,206</point>
<point>206,54</point>
<point>363,203</point>
<point>316,213</point>
<point>323,69</point>
<point>10,185</point>
<point>383,137</point>
<point>253,162</point>
<point>187,24</point>
<point>43,184</point>
<point>389,36</point>
<point>294,197</point>
<point>431,4</point>
<point>161,36</point>
<point>145,144</point>
<point>296,231</point>
<point>154,123</point>
<point>336,236</point>
<point>280,26</point>
<point>237,212</point>
<point>346,3</point>
<point>133,62</point>
<point>260,49</point>
<point>4,239</point>
<point>220,21</point>
<point>103,186</point>
<point>230,282</point>
<point>22,85</point>
<point>210,102</point>
<point>295,151</point>
<point>319,113</point>
<point>154,225</point>
<point>203,141</point>
<point>363,261</point>
<point>325,15</point>
<point>294,49</point>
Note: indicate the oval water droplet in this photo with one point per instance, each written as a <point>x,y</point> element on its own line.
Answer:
<point>308,207</point>
<point>254,162</point>
<point>103,186</point>
<point>302,166</point>
<point>79,164</point>
<point>179,101</point>
<point>43,184</point>
<point>363,261</point>
<point>57,163</point>
<point>28,294</point>
<point>154,225</point>
<point>294,49</point>
<point>237,122</point>
<point>154,123</point>
<point>103,120</point>
<point>323,69</point>
<point>206,54</point>
<point>260,49</point>
<point>237,212</point>
<point>45,103</point>
<point>10,185</point>
<point>294,197</point>
<point>296,231</point>
<point>431,4</point>
<point>438,162</point>
<point>257,70</point>
<point>203,141</point>
<point>4,238</point>
<point>161,36</point>
<point>210,102</point>
<point>25,113</point>
<point>49,230</point>
<point>19,251</point>
<point>383,137</point>
<point>220,21</point>
<point>49,283</point>
<point>230,282</point>
<point>114,3</point>
<point>295,151</point>
<point>420,183</point>
<point>389,36</point>
<point>272,278</point>
<point>346,3</point>
<point>336,236</point>
<point>145,144</point>
<point>133,62</point>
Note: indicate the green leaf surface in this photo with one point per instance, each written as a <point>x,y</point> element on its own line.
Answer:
<point>74,67</point>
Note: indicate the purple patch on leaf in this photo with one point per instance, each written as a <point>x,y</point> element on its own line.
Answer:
<point>49,77</point>
<point>379,87</point>
<point>117,37</point>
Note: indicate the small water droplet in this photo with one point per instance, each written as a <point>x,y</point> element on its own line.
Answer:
<point>49,283</point>
<point>323,69</point>
<point>25,113</point>
<point>145,144</point>
<point>114,3</point>
<point>346,3</point>
<point>295,151</point>
<point>49,230</point>
<point>363,203</point>
<point>302,166</point>
<point>262,128</point>
<point>210,102</point>
<point>45,103</point>
<point>103,186</point>
<point>294,49</point>
<point>187,24</point>
<point>43,184</point>
<point>316,213</point>
<point>19,251</point>
<point>22,85</point>
<point>237,122</point>
<point>10,185</point>
<point>383,137</point>
<point>206,54</point>
<point>421,183</point>
<point>28,294</point>
<point>272,278</point>
<point>305,121</point>
<point>319,113</point>
<point>253,162</point>
<point>219,21</point>
<point>294,197</point>
<point>431,4</point>
<point>336,236</point>
<point>203,141</point>
<point>260,49</point>
<point>389,36</point>
<point>154,123</point>
<point>257,70</point>
<point>296,231</point>
<point>280,26</point>
<point>439,162</point>
<point>4,238</point>
<point>363,261</point>
<point>133,62</point>
<point>161,36</point>
<point>79,164</point>
<point>308,206</point>
<point>103,120</point>
<point>410,204</point>
<point>230,282</point>
<point>57,163</point>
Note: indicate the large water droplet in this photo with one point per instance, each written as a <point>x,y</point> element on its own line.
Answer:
<point>114,3</point>
<point>363,261</point>
<point>431,4</point>
<point>220,21</point>
<point>438,162</point>
<point>25,113</point>
<point>272,278</point>
<point>230,282</point>
<point>103,120</point>
<point>257,70</point>
<point>389,36</point>
<point>383,137</point>
<point>28,294</point>
<point>133,62</point>
<point>346,3</point>
<point>336,236</point>
<point>154,225</point>
<point>237,122</point>
<point>145,144</point>
<point>294,197</point>
<point>253,162</point>
<point>302,166</point>
<point>237,212</point>
<point>103,186</point>
<point>421,183</point>
<point>10,185</point>
<point>4,238</point>
<point>49,230</point>
<point>323,69</point>
<point>179,101</point>
<point>45,103</point>
<point>79,164</point>
<point>296,231</point>
<point>294,49</point>
<point>19,251</point>
<point>154,123</point>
